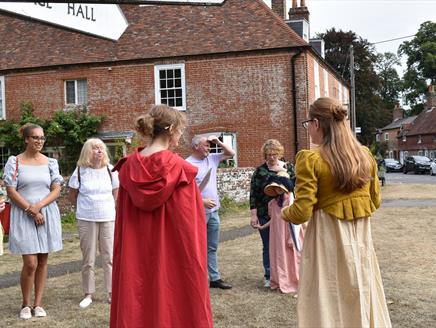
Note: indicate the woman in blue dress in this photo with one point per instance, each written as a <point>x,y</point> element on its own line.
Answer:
<point>33,184</point>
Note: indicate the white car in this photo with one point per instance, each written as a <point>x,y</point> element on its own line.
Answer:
<point>433,167</point>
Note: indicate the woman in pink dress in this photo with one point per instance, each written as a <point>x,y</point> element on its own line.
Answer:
<point>284,249</point>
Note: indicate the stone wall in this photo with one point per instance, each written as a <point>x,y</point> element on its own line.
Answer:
<point>233,183</point>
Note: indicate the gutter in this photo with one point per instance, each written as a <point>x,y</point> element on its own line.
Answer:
<point>294,96</point>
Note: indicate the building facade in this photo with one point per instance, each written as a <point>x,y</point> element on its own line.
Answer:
<point>237,70</point>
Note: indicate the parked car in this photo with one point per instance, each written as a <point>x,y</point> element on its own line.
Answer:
<point>433,167</point>
<point>392,165</point>
<point>418,164</point>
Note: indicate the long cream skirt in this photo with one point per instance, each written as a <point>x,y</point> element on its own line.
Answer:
<point>340,281</point>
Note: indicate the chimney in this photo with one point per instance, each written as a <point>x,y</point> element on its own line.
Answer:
<point>398,112</point>
<point>299,19</point>
<point>299,13</point>
<point>279,7</point>
<point>431,98</point>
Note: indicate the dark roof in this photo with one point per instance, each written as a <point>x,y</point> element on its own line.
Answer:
<point>155,31</point>
<point>397,123</point>
<point>425,123</point>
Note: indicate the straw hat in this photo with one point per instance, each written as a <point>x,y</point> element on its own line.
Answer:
<point>278,184</point>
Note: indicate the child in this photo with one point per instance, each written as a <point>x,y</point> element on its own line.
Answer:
<point>286,239</point>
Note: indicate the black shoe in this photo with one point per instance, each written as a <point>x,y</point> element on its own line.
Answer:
<point>219,284</point>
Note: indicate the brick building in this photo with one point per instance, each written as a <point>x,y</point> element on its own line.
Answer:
<point>237,69</point>
<point>420,137</point>
<point>390,133</point>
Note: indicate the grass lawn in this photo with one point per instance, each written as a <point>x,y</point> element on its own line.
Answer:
<point>404,238</point>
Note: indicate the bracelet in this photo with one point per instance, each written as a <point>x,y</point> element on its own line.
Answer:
<point>28,207</point>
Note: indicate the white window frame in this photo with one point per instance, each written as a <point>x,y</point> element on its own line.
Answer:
<point>386,136</point>
<point>326,83</point>
<point>316,79</point>
<point>3,98</point>
<point>224,137</point>
<point>404,138</point>
<point>76,94</point>
<point>377,137</point>
<point>419,139</point>
<point>157,97</point>
<point>115,144</point>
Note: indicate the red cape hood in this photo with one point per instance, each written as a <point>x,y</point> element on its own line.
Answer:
<point>150,180</point>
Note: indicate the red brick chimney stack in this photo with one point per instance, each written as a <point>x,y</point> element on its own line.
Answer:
<point>398,112</point>
<point>431,97</point>
<point>279,7</point>
<point>299,13</point>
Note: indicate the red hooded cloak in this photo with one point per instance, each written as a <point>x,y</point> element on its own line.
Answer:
<point>160,249</point>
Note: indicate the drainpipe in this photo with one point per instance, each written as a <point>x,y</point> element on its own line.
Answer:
<point>294,96</point>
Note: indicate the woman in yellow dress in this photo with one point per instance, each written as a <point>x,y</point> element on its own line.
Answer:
<point>337,189</point>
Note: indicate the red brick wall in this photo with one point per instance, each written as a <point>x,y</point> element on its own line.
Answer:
<point>249,95</point>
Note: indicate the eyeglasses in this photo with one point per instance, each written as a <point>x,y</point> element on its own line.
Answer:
<point>36,138</point>
<point>305,124</point>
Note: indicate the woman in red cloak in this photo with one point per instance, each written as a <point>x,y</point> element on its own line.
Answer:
<point>160,260</point>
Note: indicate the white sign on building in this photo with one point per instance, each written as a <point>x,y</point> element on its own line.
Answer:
<point>104,20</point>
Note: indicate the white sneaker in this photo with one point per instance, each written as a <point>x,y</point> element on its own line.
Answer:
<point>39,312</point>
<point>25,313</point>
<point>266,283</point>
<point>85,302</point>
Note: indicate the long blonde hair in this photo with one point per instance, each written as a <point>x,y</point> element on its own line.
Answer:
<point>85,158</point>
<point>349,163</point>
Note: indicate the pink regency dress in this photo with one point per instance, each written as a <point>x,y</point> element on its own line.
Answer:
<point>284,257</point>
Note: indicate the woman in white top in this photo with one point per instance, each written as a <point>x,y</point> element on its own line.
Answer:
<point>93,189</point>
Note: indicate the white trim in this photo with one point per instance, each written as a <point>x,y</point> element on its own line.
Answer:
<point>386,136</point>
<point>316,79</point>
<point>326,83</point>
<point>3,97</point>
<point>157,69</point>
<point>76,93</point>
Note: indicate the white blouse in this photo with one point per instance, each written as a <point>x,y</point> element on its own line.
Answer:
<point>95,201</point>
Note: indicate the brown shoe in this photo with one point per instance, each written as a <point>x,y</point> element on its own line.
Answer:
<point>219,284</point>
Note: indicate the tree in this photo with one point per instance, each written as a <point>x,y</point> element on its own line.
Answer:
<point>371,110</point>
<point>390,82</point>
<point>421,65</point>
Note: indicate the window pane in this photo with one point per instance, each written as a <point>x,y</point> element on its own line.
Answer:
<point>179,102</point>
<point>82,92</point>
<point>178,83</point>
<point>171,102</point>
<point>170,83</point>
<point>178,73</point>
<point>162,74</point>
<point>163,84</point>
<point>179,93</point>
<point>171,93</point>
<point>71,94</point>
<point>164,94</point>
<point>170,73</point>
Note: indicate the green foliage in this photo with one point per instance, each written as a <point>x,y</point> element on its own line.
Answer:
<point>421,64</point>
<point>228,205</point>
<point>71,129</point>
<point>69,221</point>
<point>68,129</point>
<point>9,134</point>
<point>375,95</point>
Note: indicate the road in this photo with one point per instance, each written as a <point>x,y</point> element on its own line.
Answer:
<point>410,178</point>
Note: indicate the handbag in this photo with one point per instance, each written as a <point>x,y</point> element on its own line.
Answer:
<point>5,218</point>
